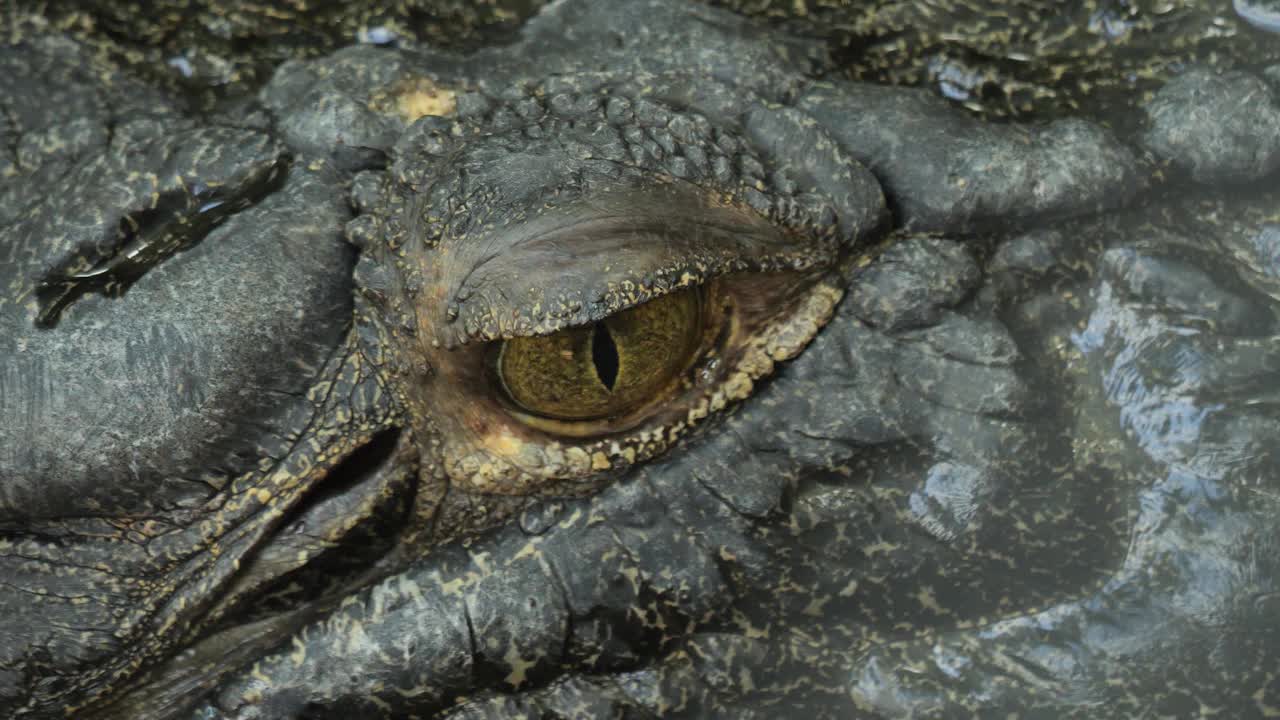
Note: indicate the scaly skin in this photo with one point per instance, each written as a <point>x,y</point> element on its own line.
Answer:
<point>999,442</point>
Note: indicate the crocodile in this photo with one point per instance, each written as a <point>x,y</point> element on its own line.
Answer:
<point>645,363</point>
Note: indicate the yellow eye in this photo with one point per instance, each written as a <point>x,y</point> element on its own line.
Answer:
<point>608,368</point>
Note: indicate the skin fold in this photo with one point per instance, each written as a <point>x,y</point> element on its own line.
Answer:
<point>979,420</point>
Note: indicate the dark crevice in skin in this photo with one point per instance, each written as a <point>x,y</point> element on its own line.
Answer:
<point>220,499</point>
<point>356,468</point>
<point>179,221</point>
<point>274,610</point>
<point>567,641</point>
<point>473,644</point>
<point>351,556</point>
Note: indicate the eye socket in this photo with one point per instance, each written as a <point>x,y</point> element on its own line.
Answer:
<point>550,413</point>
<point>606,369</point>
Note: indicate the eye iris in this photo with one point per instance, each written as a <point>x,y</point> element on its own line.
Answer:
<point>608,368</point>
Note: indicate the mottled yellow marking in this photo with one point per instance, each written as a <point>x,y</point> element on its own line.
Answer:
<point>419,96</point>
<point>817,606</point>
<point>299,654</point>
<point>518,665</point>
<point>873,549</point>
<point>263,495</point>
<point>453,587</point>
<point>633,576</point>
<point>1260,698</point>
<point>504,443</point>
<point>749,630</point>
<point>572,519</point>
<point>357,640</point>
<point>530,549</point>
<point>928,600</point>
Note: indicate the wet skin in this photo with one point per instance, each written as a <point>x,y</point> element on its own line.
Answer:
<point>977,418</point>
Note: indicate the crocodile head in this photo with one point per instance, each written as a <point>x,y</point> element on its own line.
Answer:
<point>642,365</point>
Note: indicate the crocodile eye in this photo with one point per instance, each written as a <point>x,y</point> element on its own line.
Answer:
<point>547,353</point>
<point>609,368</point>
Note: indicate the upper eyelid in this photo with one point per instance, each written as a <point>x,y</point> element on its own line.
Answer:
<point>463,289</point>
<point>637,231</point>
<point>547,281</point>
<point>477,290</point>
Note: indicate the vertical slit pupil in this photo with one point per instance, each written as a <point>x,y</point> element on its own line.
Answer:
<point>604,353</point>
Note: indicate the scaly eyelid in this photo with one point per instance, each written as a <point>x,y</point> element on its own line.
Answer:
<point>576,267</point>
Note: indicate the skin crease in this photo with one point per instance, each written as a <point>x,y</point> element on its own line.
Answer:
<point>254,469</point>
